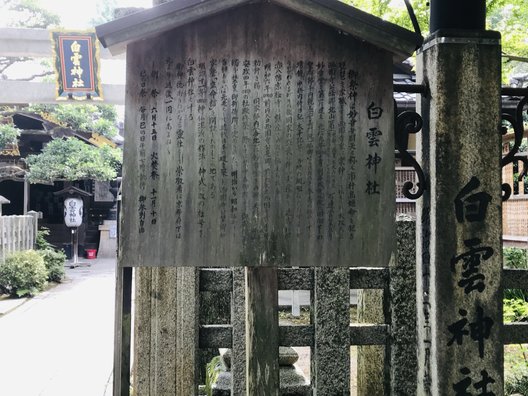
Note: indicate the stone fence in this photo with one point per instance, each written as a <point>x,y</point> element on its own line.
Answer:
<point>183,316</point>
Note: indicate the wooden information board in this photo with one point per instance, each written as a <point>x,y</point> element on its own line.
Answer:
<point>258,145</point>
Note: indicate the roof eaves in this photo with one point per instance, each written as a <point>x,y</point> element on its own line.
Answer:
<point>364,26</point>
<point>116,35</point>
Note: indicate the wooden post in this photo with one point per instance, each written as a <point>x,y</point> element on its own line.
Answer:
<point>26,196</point>
<point>35,216</point>
<point>262,331</point>
<point>122,331</point>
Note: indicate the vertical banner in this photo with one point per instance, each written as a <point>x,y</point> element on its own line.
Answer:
<point>77,65</point>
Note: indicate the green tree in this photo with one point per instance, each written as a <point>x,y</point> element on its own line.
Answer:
<point>27,14</point>
<point>72,159</point>
<point>105,12</point>
<point>100,118</point>
<point>510,17</point>
<point>8,135</point>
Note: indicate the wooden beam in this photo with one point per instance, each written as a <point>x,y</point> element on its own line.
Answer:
<point>262,332</point>
<point>21,92</point>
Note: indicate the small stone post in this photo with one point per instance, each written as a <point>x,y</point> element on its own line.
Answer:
<point>371,359</point>
<point>459,231</point>
<point>36,217</point>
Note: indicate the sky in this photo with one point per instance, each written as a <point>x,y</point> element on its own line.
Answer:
<point>78,13</point>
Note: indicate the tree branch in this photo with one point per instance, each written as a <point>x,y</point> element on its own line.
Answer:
<point>30,78</point>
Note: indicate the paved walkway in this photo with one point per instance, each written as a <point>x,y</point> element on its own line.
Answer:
<point>60,343</point>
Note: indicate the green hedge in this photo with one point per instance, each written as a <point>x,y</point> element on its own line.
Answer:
<point>54,261</point>
<point>23,274</point>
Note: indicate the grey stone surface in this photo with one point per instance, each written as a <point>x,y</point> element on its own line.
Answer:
<point>293,382</point>
<point>370,367</point>
<point>403,364</point>
<point>287,356</point>
<point>238,313</point>
<point>460,213</point>
<point>330,355</point>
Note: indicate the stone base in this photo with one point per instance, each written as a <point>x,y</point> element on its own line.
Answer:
<point>292,379</point>
<point>292,383</point>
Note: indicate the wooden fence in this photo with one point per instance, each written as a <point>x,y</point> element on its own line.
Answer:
<point>17,233</point>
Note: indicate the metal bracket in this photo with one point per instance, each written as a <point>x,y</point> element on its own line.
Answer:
<point>405,123</point>
<point>516,122</point>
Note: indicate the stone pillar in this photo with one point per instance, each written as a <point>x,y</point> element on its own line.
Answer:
<point>371,359</point>
<point>459,218</point>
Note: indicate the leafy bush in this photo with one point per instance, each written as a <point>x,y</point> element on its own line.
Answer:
<point>8,135</point>
<point>515,310</point>
<point>515,258</point>
<point>85,118</point>
<point>105,127</point>
<point>516,384</point>
<point>54,262</point>
<point>40,241</point>
<point>518,259</point>
<point>23,273</point>
<point>212,369</point>
<point>72,159</point>
<point>515,369</point>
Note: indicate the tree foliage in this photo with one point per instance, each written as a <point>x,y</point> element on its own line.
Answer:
<point>105,12</point>
<point>509,17</point>
<point>8,135</point>
<point>27,14</point>
<point>100,118</point>
<point>72,159</point>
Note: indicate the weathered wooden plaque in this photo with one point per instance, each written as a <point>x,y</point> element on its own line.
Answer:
<point>250,144</point>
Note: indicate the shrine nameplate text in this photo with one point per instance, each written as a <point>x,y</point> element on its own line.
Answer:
<point>252,145</point>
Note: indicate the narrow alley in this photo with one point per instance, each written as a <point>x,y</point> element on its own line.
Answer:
<point>60,343</point>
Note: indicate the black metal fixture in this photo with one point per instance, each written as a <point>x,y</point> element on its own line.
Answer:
<point>405,123</point>
<point>516,122</point>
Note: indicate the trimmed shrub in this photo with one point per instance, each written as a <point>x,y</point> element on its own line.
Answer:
<point>23,273</point>
<point>40,241</point>
<point>515,258</point>
<point>54,261</point>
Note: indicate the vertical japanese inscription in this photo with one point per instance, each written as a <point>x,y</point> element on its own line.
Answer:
<point>248,143</point>
<point>473,326</point>
<point>180,84</point>
<point>352,114</point>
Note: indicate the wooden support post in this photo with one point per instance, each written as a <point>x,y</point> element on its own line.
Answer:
<point>122,331</point>
<point>262,331</point>
<point>26,196</point>
<point>331,320</point>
